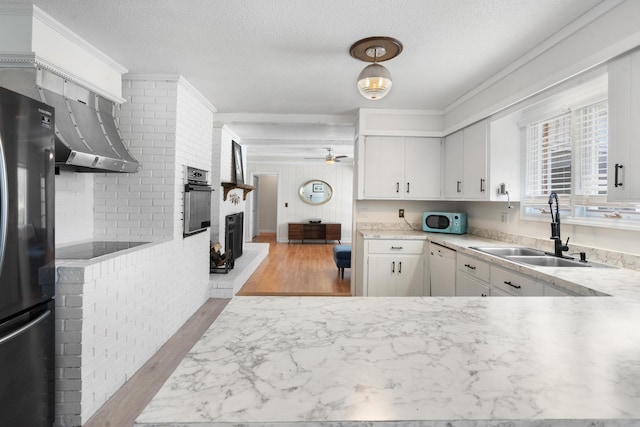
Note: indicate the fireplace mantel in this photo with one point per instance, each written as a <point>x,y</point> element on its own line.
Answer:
<point>228,186</point>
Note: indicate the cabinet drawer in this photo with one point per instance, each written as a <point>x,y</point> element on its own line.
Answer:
<point>396,246</point>
<point>473,267</point>
<point>467,286</point>
<point>514,283</point>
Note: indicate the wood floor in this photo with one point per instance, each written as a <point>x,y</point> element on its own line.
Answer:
<point>297,269</point>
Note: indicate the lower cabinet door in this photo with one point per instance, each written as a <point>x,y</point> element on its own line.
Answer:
<point>469,287</point>
<point>399,275</point>
<point>409,278</point>
<point>380,275</point>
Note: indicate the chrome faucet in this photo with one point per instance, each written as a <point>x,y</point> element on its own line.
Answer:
<point>555,228</point>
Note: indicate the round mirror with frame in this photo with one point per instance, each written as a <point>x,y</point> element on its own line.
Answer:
<point>315,192</point>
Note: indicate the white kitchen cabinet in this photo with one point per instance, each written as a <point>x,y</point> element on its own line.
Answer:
<point>395,268</point>
<point>624,133</point>
<point>515,284</point>
<point>396,167</point>
<point>453,152</point>
<point>465,163</point>
<point>477,160</point>
<point>467,286</point>
<point>472,277</point>
<point>474,184</point>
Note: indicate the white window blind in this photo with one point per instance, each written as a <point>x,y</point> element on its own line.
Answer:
<point>591,139</point>
<point>548,158</point>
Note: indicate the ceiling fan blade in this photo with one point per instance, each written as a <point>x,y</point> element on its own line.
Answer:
<point>341,157</point>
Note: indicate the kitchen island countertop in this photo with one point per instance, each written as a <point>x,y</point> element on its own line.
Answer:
<point>417,361</point>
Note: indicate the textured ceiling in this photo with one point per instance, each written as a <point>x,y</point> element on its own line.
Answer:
<point>289,57</point>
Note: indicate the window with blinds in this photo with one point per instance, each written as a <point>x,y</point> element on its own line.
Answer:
<point>548,153</point>
<point>591,139</point>
<point>567,153</point>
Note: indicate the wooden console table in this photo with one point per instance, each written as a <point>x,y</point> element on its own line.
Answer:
<point>314,231</point>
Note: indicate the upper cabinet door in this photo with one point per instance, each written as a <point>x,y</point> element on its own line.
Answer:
<point>422,168</point>
<point>453,152</point>
<point>475,161</point>
<point>396,167</point>
<point>624,133</point>
<point>383,167</point>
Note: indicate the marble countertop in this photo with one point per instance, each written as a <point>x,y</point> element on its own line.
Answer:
<point>275,361</point>
<point>418,361</point>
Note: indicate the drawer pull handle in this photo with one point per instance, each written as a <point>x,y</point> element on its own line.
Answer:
<point>393,267</point>
<point>482,190</point>
<point>399,267</point>
<point>408,187</point>
<point>507,282</point>
<point>397,248</point>
<point>458,183</point>
<point>397,187</point>
<point>470,266</point>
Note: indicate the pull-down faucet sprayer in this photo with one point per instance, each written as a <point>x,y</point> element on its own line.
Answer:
<point>555,227</point>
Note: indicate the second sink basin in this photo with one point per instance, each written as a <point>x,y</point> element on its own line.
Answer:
<point>510,251</point>
<point>547,261</point>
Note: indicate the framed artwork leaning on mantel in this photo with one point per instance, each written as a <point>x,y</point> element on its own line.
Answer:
<point>237,170</point>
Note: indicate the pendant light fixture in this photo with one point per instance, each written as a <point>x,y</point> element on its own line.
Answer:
<point>374,82</point>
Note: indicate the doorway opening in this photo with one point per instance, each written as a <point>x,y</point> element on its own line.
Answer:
<point>264,205</point>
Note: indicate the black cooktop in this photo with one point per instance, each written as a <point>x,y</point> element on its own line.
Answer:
<point>94,249</point>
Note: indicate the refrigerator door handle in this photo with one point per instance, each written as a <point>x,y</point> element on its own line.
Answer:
<point>25,328</point>
<point>4,204</point>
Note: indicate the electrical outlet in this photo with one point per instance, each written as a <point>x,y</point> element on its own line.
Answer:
<point>401,213</point>
<point>504,217</point>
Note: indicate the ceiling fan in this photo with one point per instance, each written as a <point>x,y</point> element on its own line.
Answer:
<point>330,158</point>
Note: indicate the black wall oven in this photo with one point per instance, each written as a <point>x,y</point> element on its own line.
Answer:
<point>197,202</point>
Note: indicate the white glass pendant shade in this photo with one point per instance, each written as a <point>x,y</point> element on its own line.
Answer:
<point>374,82</point>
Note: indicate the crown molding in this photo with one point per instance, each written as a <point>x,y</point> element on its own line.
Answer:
<point>32,60</point>
<point>177,78</point>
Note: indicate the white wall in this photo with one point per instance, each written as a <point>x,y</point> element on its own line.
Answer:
<point>73,207</point>
<point>292,209</point>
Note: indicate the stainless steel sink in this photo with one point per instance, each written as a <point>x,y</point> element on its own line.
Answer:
<point>547,261</point>
<point>510,251</point>
<point>534,257</point>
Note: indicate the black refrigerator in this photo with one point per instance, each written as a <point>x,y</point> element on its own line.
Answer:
<point>27,261</point>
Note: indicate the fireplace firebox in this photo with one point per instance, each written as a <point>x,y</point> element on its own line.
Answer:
<point>234,234</point>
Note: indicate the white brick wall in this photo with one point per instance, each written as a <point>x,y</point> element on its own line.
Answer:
<point>140,206</point>
<point>113,315</point>
<point>194,134</point>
